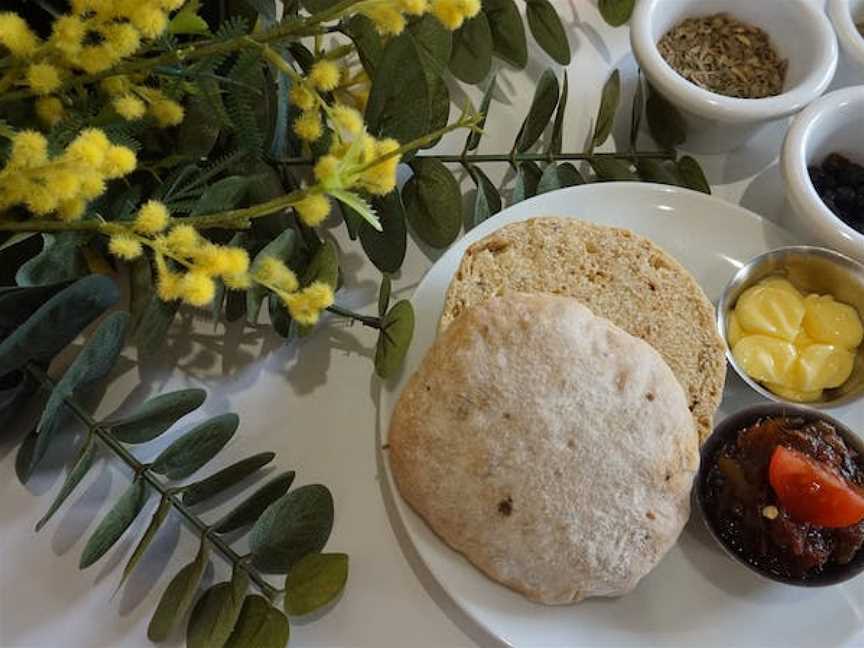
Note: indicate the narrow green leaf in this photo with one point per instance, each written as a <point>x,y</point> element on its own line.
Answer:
<point>548,31</point>
<point>527,179</point>
<point>250,509</point>
<point>154,324</point>
<point>198,446</point>
<point>569,175</point>
<point>224,479</point>
<point>222,194</point>
<point>140,290</point>
<point>316,580</point>
<point>542,106</point>
<point>549,181</point>
<point>609,99</point>
<point>260,626</point>
<point>93,363</point>
<point>612,169</point>
<point>282,248</point>
<point>487,201</point>
<point>59,260</point>
<point>692,175</point>
<point>616,12</point>
<point>658,171</point>
<point>556,140</point>
<point>18,304</point>
<point>115,523</point>
<point>664,120</point>
<point>294,525</point>
<point>636,110</point>
<point>471,57</point>
<point>397,329</point>
<point>83,462</point>
<point>386,248</point>
<point>58,322</point>
<point>508,31</point>
<point>155,416</point>
<point>24,458</point>
<point>433,202</point>
<point>215,614</point>
<point>475,135</point>
<point>156,521</point>
<point>178,596</point>
<point>384,295</point>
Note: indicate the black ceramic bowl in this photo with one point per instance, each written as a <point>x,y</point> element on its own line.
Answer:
<point>727,431</point>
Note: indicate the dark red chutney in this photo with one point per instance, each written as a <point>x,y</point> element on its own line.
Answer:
<point>745,512</point>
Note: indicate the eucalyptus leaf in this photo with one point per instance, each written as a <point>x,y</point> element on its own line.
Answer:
<point>222,194</point>
<point>556,140</point>
<point>636,110</point>
<point>215,614</point>
<point>542,107</point>
<point>83,462</point>
<point>24,457</point>
<point>194,449</point>
<point>508,31</point>
<point>692,176</point>
<point>225,478</point>
<point>433,202</point>
<point>260,625</point>
<point>156,521</point>
<point>58,322</point>
<point>658,171</point>
<point>558,176</point>
<point>397,329</point>
<point>18,304</point>
<point>547,30</point>
<point>616,12</point>
<point>154,324</point>
<point>384,295</point>
<point>59,260</point>
<point>115,523</point>
<point>316,580</point>
<point>93,363</point>
<point>528,178</point>
<point>609,100</point>
<point>140,290</point>
<point>324,266</point>
<point>250,509</point>
<point>488,200</point>
<point>471,58</point>
<point>434,42</point>
<point>178,596</point>
<point>399,105</point>
<point>282,248</point>
<point>155,416</point>
<point>296,524</point>
<point>386,249</point>
<point>664,120</point>
<point>612,169</point>
<point>367,40</point>
<point>474,135</point>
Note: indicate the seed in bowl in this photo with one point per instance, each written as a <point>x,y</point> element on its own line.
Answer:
<point>796,346</point>
<point>724,55</point>
<point>840,184</point>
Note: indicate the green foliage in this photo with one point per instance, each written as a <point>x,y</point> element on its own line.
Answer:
<point>316,580</point>
<point>542,107</point>
<point>194,449</point>
<point>433,203</point>
<point>251,509</point>
<point>115,523</point>
<point>471,58</point>
<point>155,416</point>
<point>224,479</point>
<point>616,12</point>
<point>548,30</point>
<point>397,329</point>
<point>215,615</point>
<point>260,625</point>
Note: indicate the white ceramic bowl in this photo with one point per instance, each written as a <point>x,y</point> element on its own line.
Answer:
<point>715,123</point>
<point>834,123</point>
<point>844,14</point>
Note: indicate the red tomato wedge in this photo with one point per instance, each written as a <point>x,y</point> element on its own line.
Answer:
<point>811,493</point>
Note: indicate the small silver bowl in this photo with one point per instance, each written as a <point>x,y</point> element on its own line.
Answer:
<point>727,431</point>
<point>811,270</point>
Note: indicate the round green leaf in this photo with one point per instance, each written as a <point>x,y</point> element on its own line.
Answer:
<point>471,58</point>
<point>260,626</point>
<point>508,31</point>
<point>548,31</point>
<point>433,202</point>
<point>397,329</point>
<point>386,249</point>
<point>367,40</point>
<point>294,525</point>
<point>316,580</point>
<point>616,12</point>
<point>215,614</point>
<point>178,596</point>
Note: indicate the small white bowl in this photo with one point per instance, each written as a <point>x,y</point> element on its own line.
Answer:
<point>844,14</point>
<point>715,123</point>
<point>834,123</point>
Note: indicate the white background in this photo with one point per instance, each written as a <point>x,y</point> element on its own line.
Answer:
<point>314,403</point>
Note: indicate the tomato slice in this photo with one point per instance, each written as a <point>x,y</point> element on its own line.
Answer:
<point>812,493</point>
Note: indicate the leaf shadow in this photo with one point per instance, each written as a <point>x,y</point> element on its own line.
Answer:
<point>318,614</point>
<point>590,32</point>
<point>81,513</point>
<point>153,564</point>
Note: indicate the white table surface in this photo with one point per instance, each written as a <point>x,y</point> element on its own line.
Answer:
<point>315,404</point>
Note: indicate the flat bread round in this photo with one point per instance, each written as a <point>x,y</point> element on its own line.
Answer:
<point>620,276</point>
<point>551,448</point>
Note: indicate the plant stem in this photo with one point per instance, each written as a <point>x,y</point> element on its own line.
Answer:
<point>366,320</point>
<point>519,157</point>
<point>141,469</point>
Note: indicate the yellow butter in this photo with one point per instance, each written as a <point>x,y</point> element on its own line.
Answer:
<point>794,394</point>
<point>821,366</point>
<point>831,322</point>
<point>781,284</point>
<point>765,358</point>
<point>734,332</point>
<point>770,311</point>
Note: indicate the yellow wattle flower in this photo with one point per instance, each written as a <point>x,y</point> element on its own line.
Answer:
<point>313,209</point>
<point>152,218</point>
<point>129,107</point>
<point>197,288</point>
<point>29,150</point>
<point>49,110</point>
<point>124,247</point>
<point>67,33</point>
<point>16,35</point>
<point>308,126</point>
<point>324,75</point>
<point>167,112</point>
<point>43,78</point>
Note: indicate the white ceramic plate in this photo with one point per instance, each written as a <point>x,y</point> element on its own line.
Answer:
<point>697,596</point>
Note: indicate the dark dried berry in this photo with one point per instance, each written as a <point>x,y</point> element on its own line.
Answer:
<point>840,184</point>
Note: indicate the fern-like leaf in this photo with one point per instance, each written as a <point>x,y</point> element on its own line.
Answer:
<point>241,102</point>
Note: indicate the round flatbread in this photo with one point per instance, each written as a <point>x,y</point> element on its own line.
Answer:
<point>551,448</point>
<point>620,276</point>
